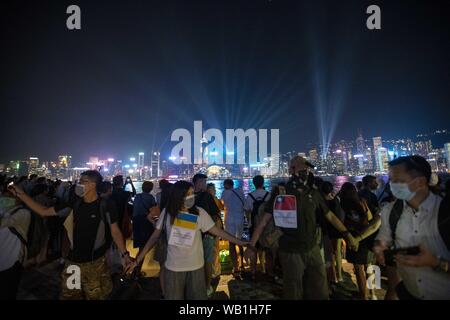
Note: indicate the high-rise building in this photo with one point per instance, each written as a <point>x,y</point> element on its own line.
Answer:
<point>33,165</point>
<point>360,144</point>
<point>423,148</point>
<point>377,143</point>
<point>383,160</point>
<point>155,164</point>
<point>23,168</point>
<point>64,161</point>
<point>313,156</point>
<point>140,160</point>
<point>433,160</point>
<point>447,155</point>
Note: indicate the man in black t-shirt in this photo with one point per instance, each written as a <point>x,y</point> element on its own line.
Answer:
<point>91,227</point>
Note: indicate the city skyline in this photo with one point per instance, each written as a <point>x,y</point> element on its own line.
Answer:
<point>309,68</point>
<point>343,157</point>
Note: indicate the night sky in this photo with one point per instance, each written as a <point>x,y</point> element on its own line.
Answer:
<point>137,70</point>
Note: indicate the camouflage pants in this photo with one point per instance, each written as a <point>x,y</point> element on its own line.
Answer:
<point>96,283</point>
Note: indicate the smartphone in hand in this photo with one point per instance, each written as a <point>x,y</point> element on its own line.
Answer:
<point>390,254</point>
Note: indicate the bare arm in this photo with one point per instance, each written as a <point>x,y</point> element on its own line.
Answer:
<point>149,245</point>
<point>338,225</point>
<point>118,238</point>
<point>225,235</point>
<point>371,229</point>
<point>260,227</point>
<point>33,205</point>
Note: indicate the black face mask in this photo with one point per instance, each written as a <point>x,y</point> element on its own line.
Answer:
<point>303,175</point>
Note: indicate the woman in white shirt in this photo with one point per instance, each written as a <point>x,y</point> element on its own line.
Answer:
<point>183,224</point>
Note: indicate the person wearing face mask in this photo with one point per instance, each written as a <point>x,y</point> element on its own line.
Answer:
<point>420,220</point>
<point>304,274</point>
<point>91,226</point>
<point>14,223</point>
<point>182,223</point>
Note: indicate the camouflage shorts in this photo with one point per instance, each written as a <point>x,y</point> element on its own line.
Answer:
<point>96,283</point>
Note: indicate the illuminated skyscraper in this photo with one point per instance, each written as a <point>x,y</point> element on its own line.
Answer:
<point>447,155</point>
<point>360,144</point>
<point>140,160</point>
<point>313,156</point>
<point>33,165</point>
<point>383,159</point>
<point>155,164</point>
<point>377,144</point>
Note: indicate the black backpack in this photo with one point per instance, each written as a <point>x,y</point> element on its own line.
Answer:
<point>35,235</point>
<point>257,202</point>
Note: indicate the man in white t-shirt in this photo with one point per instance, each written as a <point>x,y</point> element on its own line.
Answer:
<point>253,202</point>
<point>233,200</point>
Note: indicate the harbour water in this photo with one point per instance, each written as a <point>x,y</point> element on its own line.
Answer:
<point>247,185</point>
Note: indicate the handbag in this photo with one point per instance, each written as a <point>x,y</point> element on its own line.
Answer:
<point>161,247</point>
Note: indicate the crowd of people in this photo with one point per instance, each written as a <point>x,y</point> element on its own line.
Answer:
<point>299,232</point>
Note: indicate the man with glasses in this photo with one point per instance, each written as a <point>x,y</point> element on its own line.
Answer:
<point>90,227</point>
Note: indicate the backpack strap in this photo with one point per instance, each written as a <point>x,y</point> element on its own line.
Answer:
<point>251,196</point>
<point>14,230</point>
<point>103,208</point>
<point>394,217</point>
<point>242,201</point>
<point>265,196</point>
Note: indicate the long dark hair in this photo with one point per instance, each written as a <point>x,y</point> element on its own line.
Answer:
<point>350,200</point>
<point>176,198</point>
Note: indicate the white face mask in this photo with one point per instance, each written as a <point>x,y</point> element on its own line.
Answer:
<point>80,190</point>
<point>401,191</point>
<point>189,201</point>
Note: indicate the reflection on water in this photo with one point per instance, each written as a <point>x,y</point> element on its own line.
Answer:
<point>247,184</point>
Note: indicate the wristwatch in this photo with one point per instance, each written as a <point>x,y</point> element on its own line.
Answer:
<point>442,266</point>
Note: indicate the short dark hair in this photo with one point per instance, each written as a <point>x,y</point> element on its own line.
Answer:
<point>118,181</point>
<point>368,179</point>
<point>209,185</point>
<point>33,175</point>
<point>94,176</point>
<point>228,182</point>
<point>198,176</point>
<point>147,186</point>
<point>258,181</point>
<point>326,187</point>
<point>38,189</point>
<point>162,183</point>
<point>416,165</point>
<point>105,186</point>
